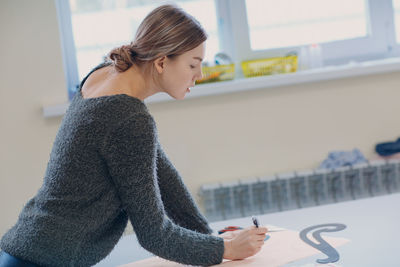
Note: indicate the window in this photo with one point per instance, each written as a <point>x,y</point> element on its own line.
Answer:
<point>345,31</point>
<point>95,27</point>
<point>99,26</point>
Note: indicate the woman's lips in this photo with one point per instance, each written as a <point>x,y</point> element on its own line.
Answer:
<point>188,90</point>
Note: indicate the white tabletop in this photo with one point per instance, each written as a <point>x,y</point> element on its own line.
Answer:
<point>372,227</point>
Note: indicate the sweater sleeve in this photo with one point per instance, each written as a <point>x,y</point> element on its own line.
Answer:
<point>131,153</point>
<point>178,202</point>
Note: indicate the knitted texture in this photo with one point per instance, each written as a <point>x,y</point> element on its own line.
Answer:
<point>107,167</point>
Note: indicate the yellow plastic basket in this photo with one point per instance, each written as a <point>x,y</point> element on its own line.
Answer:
<point>217,73</point>
<point>269,66</point>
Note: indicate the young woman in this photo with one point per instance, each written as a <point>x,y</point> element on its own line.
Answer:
<point>107,166</point>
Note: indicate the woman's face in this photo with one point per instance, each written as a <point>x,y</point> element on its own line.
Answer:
<point>181,72</point>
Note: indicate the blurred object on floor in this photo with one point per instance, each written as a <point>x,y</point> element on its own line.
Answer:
<point>388,148</point>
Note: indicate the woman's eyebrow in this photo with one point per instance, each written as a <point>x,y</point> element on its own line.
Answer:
<point>198,58</point>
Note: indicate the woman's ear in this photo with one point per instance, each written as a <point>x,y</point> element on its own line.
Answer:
<point>159,64</point>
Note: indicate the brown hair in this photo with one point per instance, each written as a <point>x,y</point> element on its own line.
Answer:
<point>166,31</point>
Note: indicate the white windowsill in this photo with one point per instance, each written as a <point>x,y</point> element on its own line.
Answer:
<point>326,73</point>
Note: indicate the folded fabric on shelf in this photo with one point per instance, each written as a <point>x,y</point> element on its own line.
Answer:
<point>338,159</point>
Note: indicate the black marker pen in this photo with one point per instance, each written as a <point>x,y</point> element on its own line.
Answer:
<point>255,221</point>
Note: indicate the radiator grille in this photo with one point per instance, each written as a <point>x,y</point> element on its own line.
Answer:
<point>261,195</point>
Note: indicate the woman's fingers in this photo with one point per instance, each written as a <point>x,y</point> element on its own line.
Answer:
<point>261,239</point>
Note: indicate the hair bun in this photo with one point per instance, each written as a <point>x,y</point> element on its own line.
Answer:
<point>122,57</point>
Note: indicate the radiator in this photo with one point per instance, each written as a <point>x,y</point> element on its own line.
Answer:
<point>261,195</point>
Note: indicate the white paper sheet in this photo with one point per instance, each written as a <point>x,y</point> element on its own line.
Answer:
<point>281,248</point>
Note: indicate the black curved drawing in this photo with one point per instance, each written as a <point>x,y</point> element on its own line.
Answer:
<point>323,246</point>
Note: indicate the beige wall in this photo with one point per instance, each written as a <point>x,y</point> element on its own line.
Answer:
<point>209,139</point>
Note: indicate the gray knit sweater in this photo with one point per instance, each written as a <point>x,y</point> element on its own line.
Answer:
<point>106,167</point>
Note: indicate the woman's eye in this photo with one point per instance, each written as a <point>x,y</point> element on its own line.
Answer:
<point>192,67</point>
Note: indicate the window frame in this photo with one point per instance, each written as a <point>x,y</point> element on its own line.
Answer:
<point>68,50</point>
<point>380,44</point>
<point>234,38</point>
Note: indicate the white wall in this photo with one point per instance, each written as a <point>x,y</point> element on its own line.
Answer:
<point>209,139</point>
<point>30,75</point>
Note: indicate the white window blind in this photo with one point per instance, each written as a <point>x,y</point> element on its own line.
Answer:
<point>293,22</point>
<point>396,5</point>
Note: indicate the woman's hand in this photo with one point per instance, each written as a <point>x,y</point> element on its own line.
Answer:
<point>228,235</point>
<point>245,243</point>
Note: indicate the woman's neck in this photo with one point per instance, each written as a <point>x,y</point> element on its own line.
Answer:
<point>136,84</point>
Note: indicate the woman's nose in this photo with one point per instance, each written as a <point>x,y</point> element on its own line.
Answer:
<point>199,75</point>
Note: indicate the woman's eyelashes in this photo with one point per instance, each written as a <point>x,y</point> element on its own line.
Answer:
<point>195,65</point>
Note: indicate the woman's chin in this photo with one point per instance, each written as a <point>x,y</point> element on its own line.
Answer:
<point>178,97</point>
